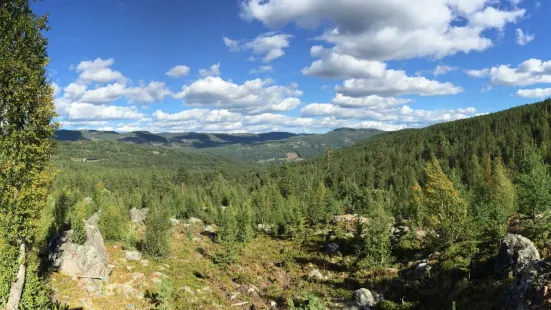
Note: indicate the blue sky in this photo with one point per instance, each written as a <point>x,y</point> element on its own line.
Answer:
<point>286,65</point>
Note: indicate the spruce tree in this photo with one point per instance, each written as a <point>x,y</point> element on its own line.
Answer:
<point>26,129</point>
<point>534,187</point>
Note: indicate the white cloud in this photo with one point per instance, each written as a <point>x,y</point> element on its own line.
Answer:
<point>529,72</point>
<point>231,44</point>
<point>397,115</point>
<point>396,83</point>
<point>534,93</point>
<point>442,69</point>
<point>365,77</point>
<point>390,30</point>
<point>152,92</point>
<point>178,71</point>
<point>56,90</point>
<point>334,66</point>
<point>262,69</point>
<point>523,38</point>
<point>370,102</point>
<point>78,111</point>
<point>254,96</point>
<point>98,71</point>
<point>226,121</point>
<point>270,45</point>
<point>213,71</point>
<point>478,73</point>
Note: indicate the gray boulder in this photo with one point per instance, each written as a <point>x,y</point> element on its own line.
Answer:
<point>133,255</point>
<point>531,290</point>
<point>194,220</point>
<point>331,248</point>
<point>363,298</point>
<point>138,216</point>
<point>88,260</point>
<point>316,275</point>
<point>515,254</point>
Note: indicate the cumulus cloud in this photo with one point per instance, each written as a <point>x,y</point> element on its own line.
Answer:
<point>254,96</point>
<point>56,90</point>
<point>213,71</point>
<point>396,83</point>
<point>371,102</point>
<point>442,69</point>
<point>529,72</point>
<point>262,69</point>
<point>523,38</point>
<point>98,71</point>
<point>178,71</point>
<point>78,111</point>
<point>269,45</point>
<point>534,93</point>
<point>227,121</point>
<point>398,115</point>
<point>366,77</point>
<point>390,30</point>
<point>333,65</point>
<point>478,73</point>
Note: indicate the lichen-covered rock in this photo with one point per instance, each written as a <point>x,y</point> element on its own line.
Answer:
<point>194,221</point>
<point>363,298</point>
<point>88,260</point>
<point>515,254</point>
<point>138,216</point>
<point>331,248</point>
<point>133,255</point>
<point>531,290</point>
<point>316,275</point>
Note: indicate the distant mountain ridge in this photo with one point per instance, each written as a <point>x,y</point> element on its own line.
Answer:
<point>250,146</point>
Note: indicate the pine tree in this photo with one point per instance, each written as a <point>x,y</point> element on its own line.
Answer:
<point>228,237</point>
<point>534,187</point>
<point>446,212</point>
<point>26,129</point>
<point>157,232</point>
<point>502,198</point>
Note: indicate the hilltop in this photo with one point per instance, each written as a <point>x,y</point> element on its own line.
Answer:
<point>257,147</point>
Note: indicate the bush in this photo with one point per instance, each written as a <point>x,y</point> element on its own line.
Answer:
<point>113,222</point>
<point>156,232</point>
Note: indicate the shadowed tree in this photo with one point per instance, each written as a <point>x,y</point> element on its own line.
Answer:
<point>26,129</point>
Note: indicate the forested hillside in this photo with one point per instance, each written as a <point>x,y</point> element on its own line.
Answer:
<point>415,216</point>
<point>264,147</point>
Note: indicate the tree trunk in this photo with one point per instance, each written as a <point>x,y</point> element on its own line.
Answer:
<point>16,289</point>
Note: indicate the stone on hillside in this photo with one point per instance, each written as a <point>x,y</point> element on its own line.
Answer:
<point>88,260</point>
<point>363,298</point>
<point>515,253</point>
<point>133,255</point>
<point>266,228</point>
<point>87,200</point>
<point>316,275</point>
<point>209,229</point>
<point>348,218</point>
<point>174,221</point>
<point>331,248</point>
<point>138,216</point>
<point>531,289</point>
<point>418,271</point>
<point>194,220</point>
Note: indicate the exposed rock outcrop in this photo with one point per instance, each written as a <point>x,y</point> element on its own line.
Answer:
<point>531,290</point>
<point>133,255</point>
<point>515,254</point>
<point>363,298</point>
<point>86,261</point>
<point>316,275</point>
<point>138,216</point>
